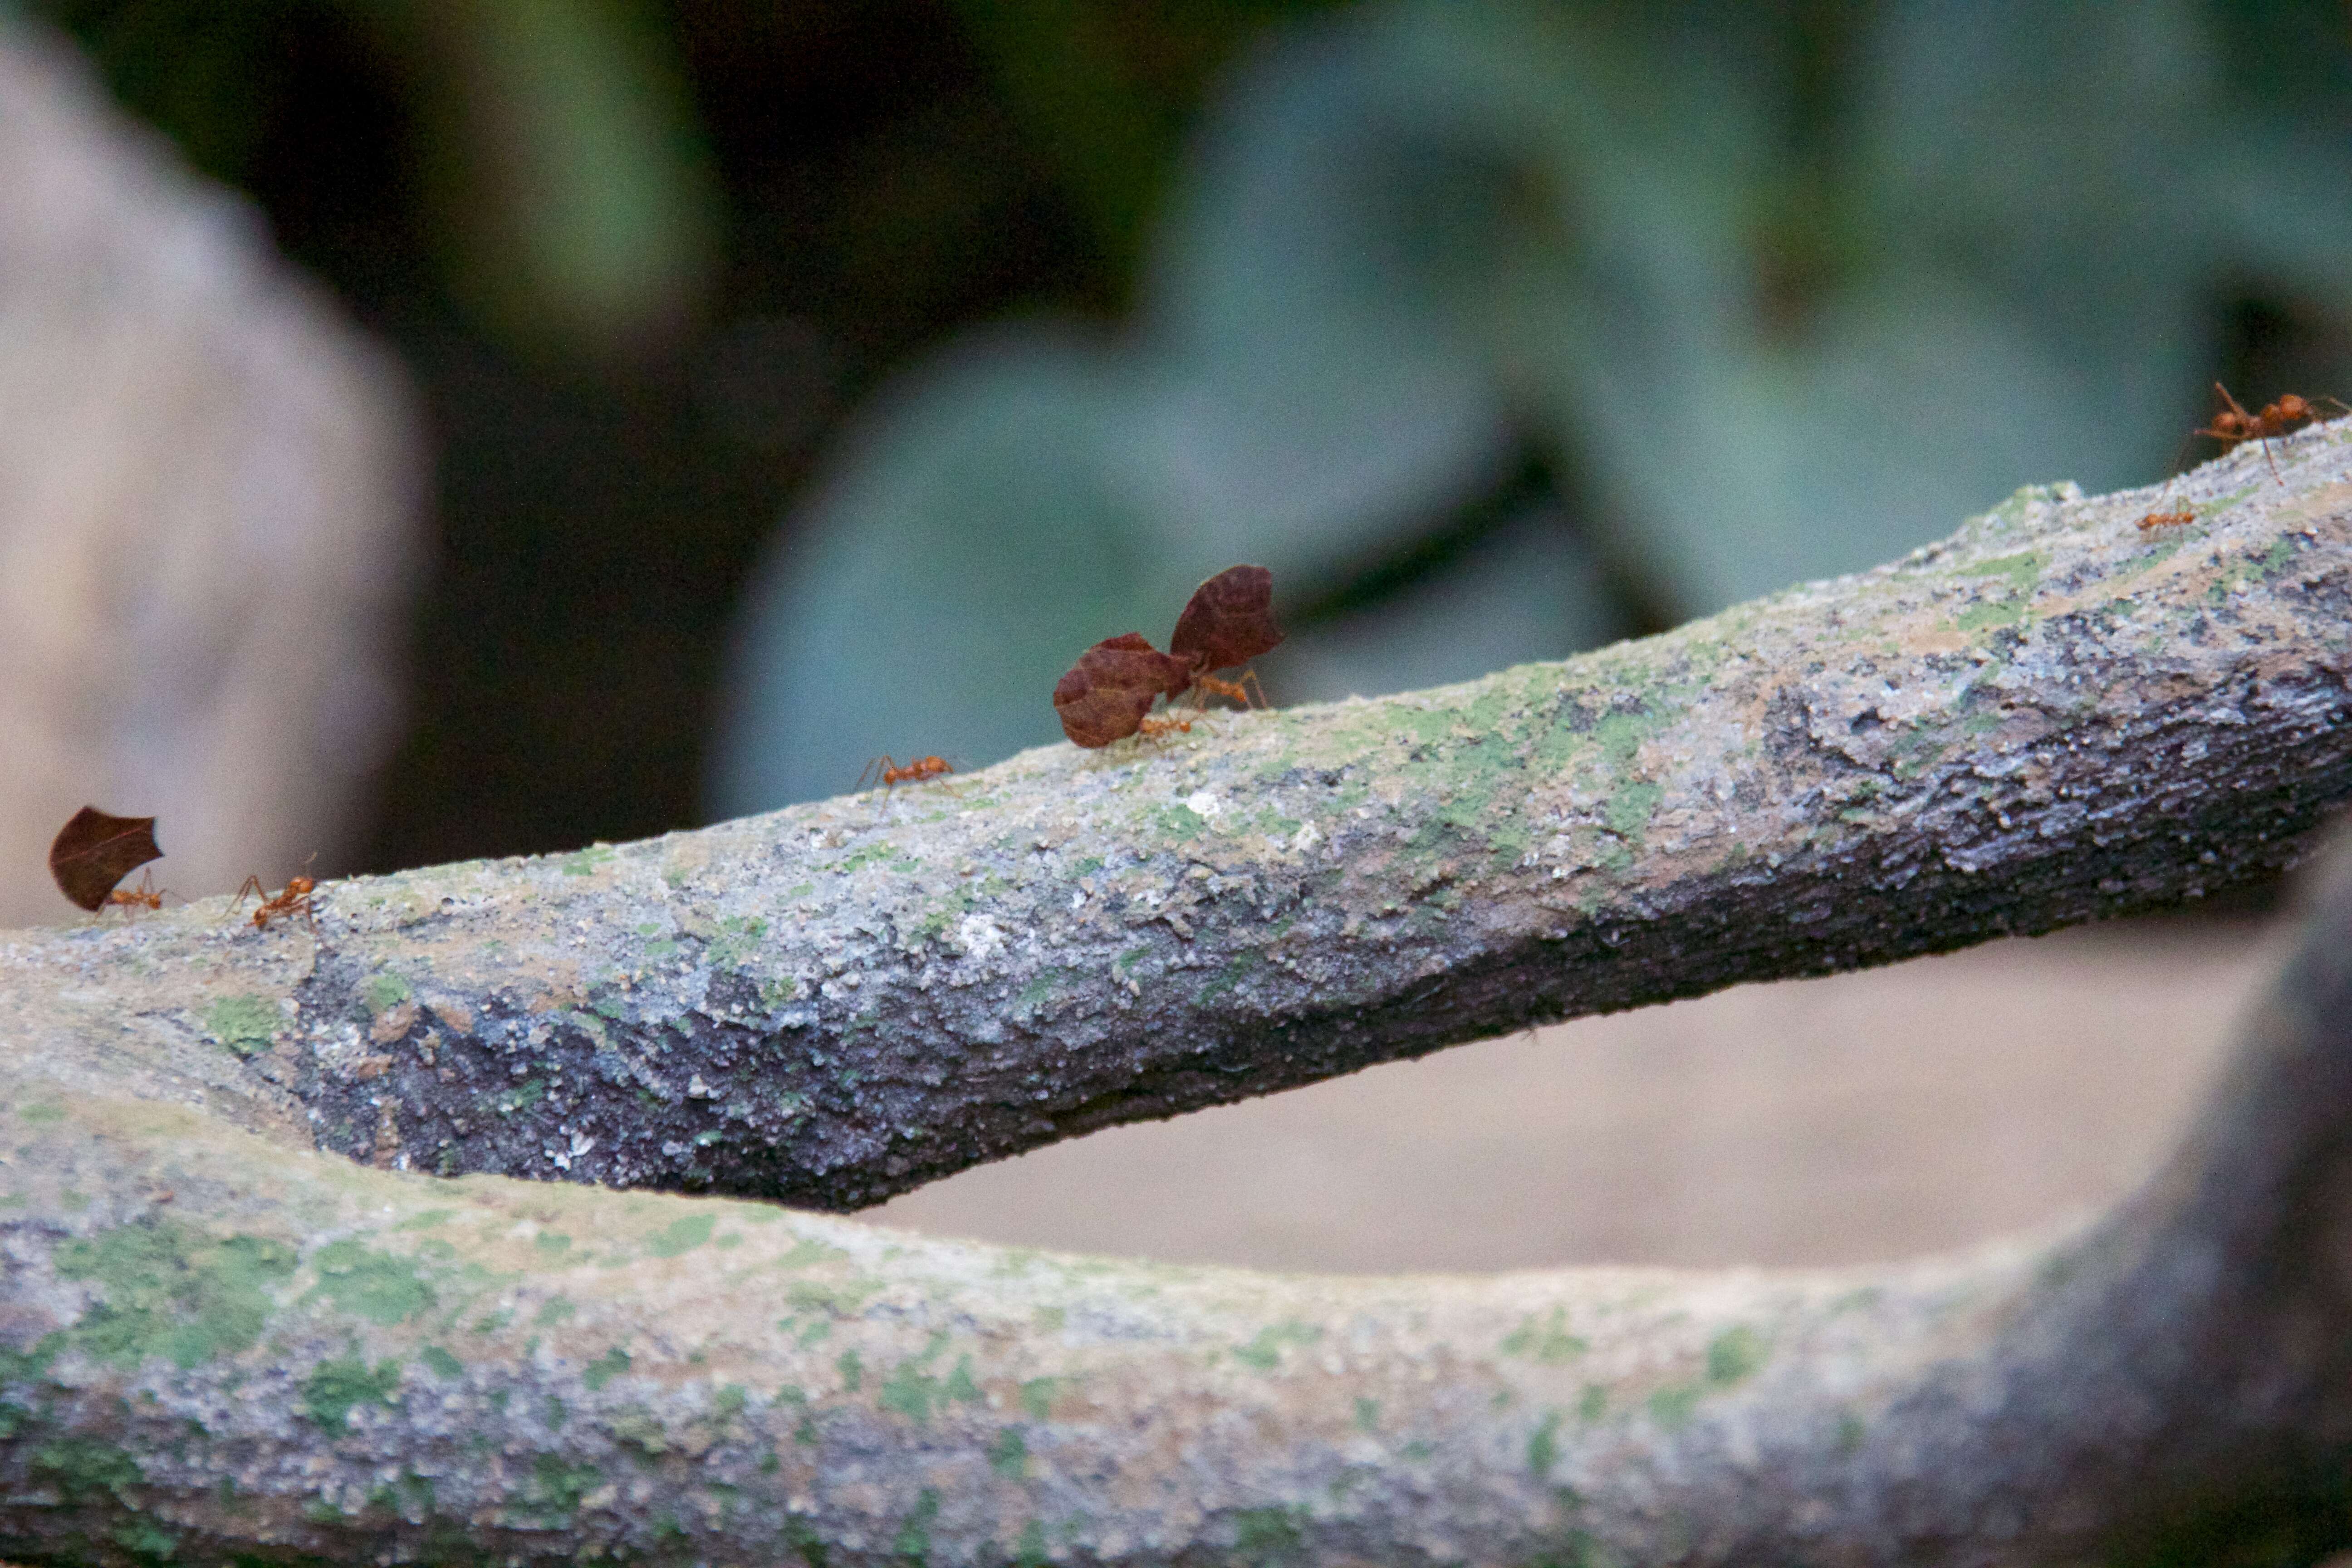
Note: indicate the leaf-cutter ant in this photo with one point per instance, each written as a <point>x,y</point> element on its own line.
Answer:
<point>145,896</point>
<point>884,770</point>
<point>2289,413</point>
<point>295,899</point>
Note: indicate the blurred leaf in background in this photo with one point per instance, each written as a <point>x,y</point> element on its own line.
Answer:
<point>561,141</point>
<point>1757,294</point>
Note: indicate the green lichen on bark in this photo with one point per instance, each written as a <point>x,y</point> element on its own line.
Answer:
<point>239,1320</point>
<point>837,1002</point>
<point>374,1367</point>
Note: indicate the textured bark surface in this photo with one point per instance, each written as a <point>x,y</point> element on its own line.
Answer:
<point>2053,717</point>
<point>213,1349</point>
<point>218,1341</point>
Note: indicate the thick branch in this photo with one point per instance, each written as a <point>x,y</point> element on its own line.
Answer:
<point>212,1349</point>
<point>217,1343</point>
<point>2053,717</point>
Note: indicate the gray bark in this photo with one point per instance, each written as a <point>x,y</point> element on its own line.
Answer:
<point>2053,717</point>
<point>217,1340</point>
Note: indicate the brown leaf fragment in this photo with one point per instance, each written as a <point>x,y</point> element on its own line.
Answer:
<point>94,851</point>
<point>1107,693</point>
<point>1229,620</point>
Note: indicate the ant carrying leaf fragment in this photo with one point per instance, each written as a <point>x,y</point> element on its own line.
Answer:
<point>1239,691</point>
<point>94,851</point>
<point>1156,729</point>
<point>145,896</point>
<point>1105,694</point>
<point>295,899</point>
<point>1229,620</point>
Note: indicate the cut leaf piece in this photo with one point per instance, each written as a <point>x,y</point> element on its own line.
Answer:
<point>1229,620</point>
<point>94,851</point>
<point>1107,693</point>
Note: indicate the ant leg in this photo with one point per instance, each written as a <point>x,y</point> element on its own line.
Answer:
<point>2180,456</point>
<point>251,885</point>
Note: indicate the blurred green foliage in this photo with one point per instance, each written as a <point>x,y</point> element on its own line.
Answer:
<point>1765,292</point>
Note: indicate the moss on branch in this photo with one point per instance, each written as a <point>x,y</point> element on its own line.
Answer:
<point>213,1349</point>
<point>241,1320</point>
<point>2053,717</point>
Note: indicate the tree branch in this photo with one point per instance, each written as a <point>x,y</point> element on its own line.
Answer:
<point>2054,716</point>
<point>212,1349</point>
<point>217,1342</point>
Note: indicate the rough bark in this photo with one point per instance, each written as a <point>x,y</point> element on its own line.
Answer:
<point>217,1341</point>
<point>2055,716</point>
<point>215,1349</point>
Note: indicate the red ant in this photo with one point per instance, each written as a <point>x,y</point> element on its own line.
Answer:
<point>1239,691</point>
<point>295,899</point>
<point>143,897</point>
<point>1153,729</point>
<point>888,774</point>
<point>2233,425</point>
